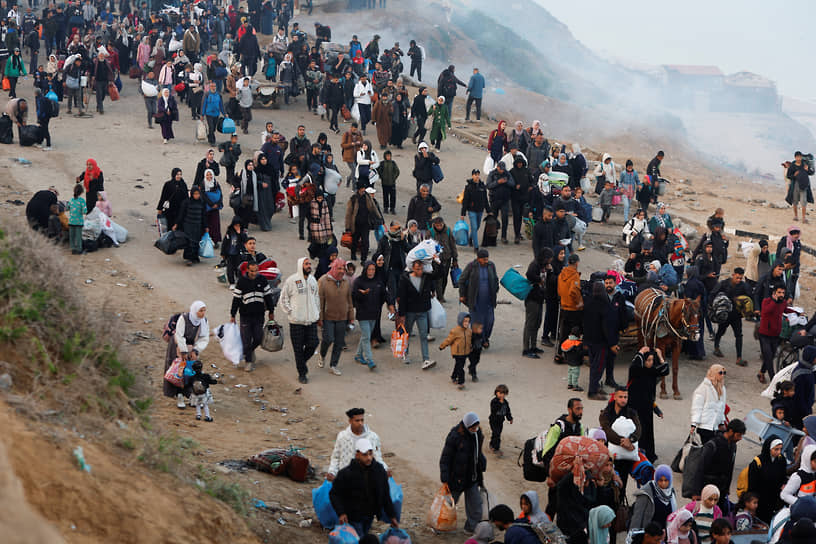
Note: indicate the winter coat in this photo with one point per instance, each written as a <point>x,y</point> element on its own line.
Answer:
<point>462,463</point>
<point>476,85</point>
<point>418,210</point>
<point>643,508</point>
<point>597,327</point>
<point>469,283</point>
<point>707,407</point>
<point>367,306</point>
<point>770,321</point>
<point>353,206</point>
<point>500,193</point>
<point>409,299</point>
<point>389,172</point>
<point>359,491</point>
<point>459,340</point>
<point>440,122</point>
<point>474,198</point>
<point>569,289</point>
<point>423,167</point>
<point>299,297</point>
<point>335,299</point>
<point>445,239</point>
<point>350,144</point>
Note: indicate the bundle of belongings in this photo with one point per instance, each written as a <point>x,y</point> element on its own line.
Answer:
<point>279,461</point>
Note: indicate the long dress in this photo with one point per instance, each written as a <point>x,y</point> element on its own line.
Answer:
<point>175,194</point>
<point>167,114</point>
<point>94,186</point>
<point>642,389</point>
<point>439,125</point>
<point>266,200</point>
<point>192,221</point>
<point>214,201</point>
<point>381,115</point>
<point>399,122</point>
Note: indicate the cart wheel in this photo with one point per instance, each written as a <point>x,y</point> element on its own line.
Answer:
<point>785,355</point>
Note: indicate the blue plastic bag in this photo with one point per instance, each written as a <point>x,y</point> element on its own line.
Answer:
<point>322,505</point>
<point>395,535</point>
<point>206,250</point>
<point>461,232</point>
<point>343,534</point>
<point>228,126</point>
<point>516,284</point>
<point>52,96</point>
<point>436,173</point>
<point>379,232</point>
<point>455,274</point>
<point>395,490</point>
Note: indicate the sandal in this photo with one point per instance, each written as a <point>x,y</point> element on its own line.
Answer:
<point>761,377</point>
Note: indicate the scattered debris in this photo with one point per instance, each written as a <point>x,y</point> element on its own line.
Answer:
<point>80,459</point>
<point>6,381</point>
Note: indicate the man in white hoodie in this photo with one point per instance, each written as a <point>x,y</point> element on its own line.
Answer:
<point>803,481</point>
<point>300,301</point>
<point>344,444</point>
<point>363,91</point>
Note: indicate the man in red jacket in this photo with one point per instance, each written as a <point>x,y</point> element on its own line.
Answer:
<point>770,326</point>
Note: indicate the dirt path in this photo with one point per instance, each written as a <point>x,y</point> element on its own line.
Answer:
<point>412,410</point>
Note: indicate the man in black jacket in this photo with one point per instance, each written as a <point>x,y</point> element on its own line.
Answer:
<point>479,297</point>
<point>414,303</point>
<point>544,232</point>
<point>619,407</point>
<point>541,275</point>
<point>415,53</point>
<point>768,283</point>
<point>500,184</point>
<point>462,465</point>
<point>600,337</point>
<point>333,96</point>
<point>653,171</point>
<point>717,462</point>
<point>251,296</point>
<point>446,86</point>
<point>360,491</point>
<point>734,287</point>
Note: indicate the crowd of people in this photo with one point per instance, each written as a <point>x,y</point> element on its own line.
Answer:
<point>208,56</point>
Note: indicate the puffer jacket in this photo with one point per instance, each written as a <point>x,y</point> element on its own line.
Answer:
<point>459,340</point>
<point>299,298</point>
<point>462,462</point>
<point>707,408</point>
<point>569,289</point>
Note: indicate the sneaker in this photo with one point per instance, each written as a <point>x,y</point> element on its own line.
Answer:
<point>208,419</point>
<point>461,387</point>
<point>250,366</point>
<point>530,355</point>
<point>545,343</point>
<point>231,286</point>
<point>742,362</point>
<point>320,362</point>
<point>430,338</point>
<point>427,363</point>
<point>359,359</point>
<point>47,148</point>
<point>303,379</point>
<point>180,401</point>
<point>570,387</point>
<point>336,371</point>
<point>474,378</point>
<point>577,388</point>
<point>718,353</point>
<point>198,418</point>
<point>581,248</point>
<point>406,360</point>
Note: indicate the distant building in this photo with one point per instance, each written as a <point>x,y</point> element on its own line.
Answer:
<point>691,87</point>
<point>749,93</point>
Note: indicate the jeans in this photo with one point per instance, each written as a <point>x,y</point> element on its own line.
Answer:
<point>252,329</point>
<point>150,107</point>
<point>389,197</point>
<point>351,179</point>
<point>475,219</point>
<point>75,238</point>
<point>75,96</point>
<point>626,203</point>
<point>421,320</point>
<point>768,346</point>
<point>212,122</point>
<point>473,505</point>
<point>363,525</point>
<point>101,88</point>
<point>334,335</point>
<point>518,206</point>
<point>471,100</point>
<point>502,208</point>
<point>532,322</point>
<point>364,346</point>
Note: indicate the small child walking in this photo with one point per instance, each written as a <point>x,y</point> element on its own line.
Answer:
<point>499,411</point>
<point>605,200</point>
<point>573,350</point>
<point>76,219</point>
<point>459,340</point>
<point>475,355</point>
<point>200,395</point>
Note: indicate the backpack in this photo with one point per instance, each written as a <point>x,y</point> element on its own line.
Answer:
<point>533,466</point>
<point>170,327</point>
<point>720,308</point>
<point>742,479</point>
<point>545,531</point>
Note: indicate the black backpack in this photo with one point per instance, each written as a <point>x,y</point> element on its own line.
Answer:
<point>531,471</point>
<point>720,308</point>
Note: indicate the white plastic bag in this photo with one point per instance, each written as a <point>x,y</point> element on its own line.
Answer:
<point>624,427</point>
<point>93,225</point>
<point>120,231</point>
<point>488,166</point>
<point>782,375</point>
<point>437,318</point>
<point>149,90</point>
<point>331,181</point>
<point>229,336</point>
<point>424,251</point>
<point>355,112</point>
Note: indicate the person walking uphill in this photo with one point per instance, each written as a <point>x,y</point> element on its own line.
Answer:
<point>462,466</point>
<point>362,214</point>
<point>360,491</point>
<point>618,407</point>
<point>413,305</point>
<point>191,337</point>
<point>446,88</point>
<point>336,312</point>
<point>572,302</point>
<point>475,90</point>
<point>478,287</point>
<point>300,301</point>
<point>252,296</point>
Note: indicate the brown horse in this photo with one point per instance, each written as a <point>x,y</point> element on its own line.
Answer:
<point>664,322</point>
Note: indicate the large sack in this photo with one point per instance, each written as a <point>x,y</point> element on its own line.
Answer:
<point>424,251</point>
<point>206,249</point>
<point>395,490</point>
<point>782,375</point>
<point>577,454</point>
<point>93,225</point>
<point>461,232</point>
<point>343,534</point>
<point>331,181</point>
<point>171,241</point>
<point>273,337</point>
<point>322,506</point>
<point>30,135</point>
<point>149,90</point>
<point>442,514</point>
<point>624,427</point>
<point>229,336</point>
<point>516,284</point>
<point>120,231</point>
<point>437,318</point>
<point>693,472</point>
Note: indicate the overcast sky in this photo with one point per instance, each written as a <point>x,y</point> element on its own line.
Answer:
<point>736,35</point>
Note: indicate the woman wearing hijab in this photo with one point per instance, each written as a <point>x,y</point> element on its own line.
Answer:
<point>213,202</point>
<point>766,475</point>
<point>381,275</point>
<point>191,337</point>
<point>192,221</point>
<point>655,501</point>
<point>267,189</point>
<point>367,160</point>
<point>708,403</point>
<point>562,164</point>
<point>15,68</point>
<point>104,204</point>
<point>195,90</point>
<point>320,226</point>
<point>166,113</point>
<point>174,192</point>
<point>143,53</point>
<point>679,528</point>
<point>705,511</point>
<point>368,295</point>
<point>248,209</point>
<point>647,367</point>
<point>158,54</point>
<point>519,138</point>
<point>440,120</point>
<point>399,120</point>
<point>93,180</point>
<point>207,163</point>
<point>482,534</point>
<point>600,520</point>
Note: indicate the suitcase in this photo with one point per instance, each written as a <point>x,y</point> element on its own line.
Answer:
<point>134,72</point>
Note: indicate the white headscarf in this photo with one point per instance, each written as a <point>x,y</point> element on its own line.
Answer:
<point>254,187</point>
<point>166,98</point>
<point>194,309</point>
<point>209,185</point>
